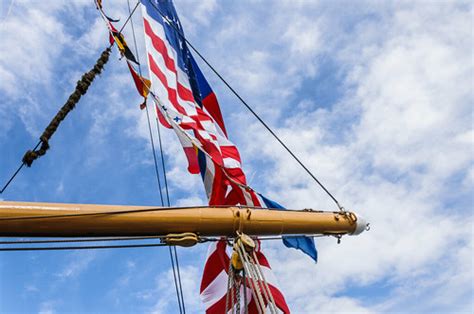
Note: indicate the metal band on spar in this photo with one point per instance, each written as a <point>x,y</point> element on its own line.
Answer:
<point>25,219</point>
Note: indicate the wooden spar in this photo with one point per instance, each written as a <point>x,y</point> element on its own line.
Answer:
<point>22,219</point>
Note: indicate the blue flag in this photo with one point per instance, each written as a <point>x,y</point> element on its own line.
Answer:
<point>303,243</point>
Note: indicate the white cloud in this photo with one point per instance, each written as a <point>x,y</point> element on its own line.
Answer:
<point>190,279</point>
<point>47,307</point>
<point>79,262</point>
<point>389,146</point>
<point>36,31</point>
<point>191,201</point>
<point>202,13</point>
<point>410,136</point>
<point>384,147</point>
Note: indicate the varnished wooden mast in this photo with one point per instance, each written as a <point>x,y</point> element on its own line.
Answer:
<point>21,219</point>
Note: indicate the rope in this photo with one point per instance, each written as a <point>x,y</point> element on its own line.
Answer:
<point>269,129</point>
<point>245,291</point>
<point>253,285</point>
<point>230,276</point>
<point>266,290</point>
<point>81,89</point>
<point>33,154</point>
<point>259,285</point>
<point>237,297</point>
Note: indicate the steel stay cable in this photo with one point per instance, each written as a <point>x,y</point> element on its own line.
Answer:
<point>105,239</point>
<point>341,208</point>
<point>169,204</point>
<point>175,281</point>
<point>172,251</point>
<point>202,240</point>
<point>248,106</point>
<point>12,177</point>
<point>179,276</point>
<point>154,157</point>
<point>52,248</point>
<point>152,142</point>
<point>17,171</point>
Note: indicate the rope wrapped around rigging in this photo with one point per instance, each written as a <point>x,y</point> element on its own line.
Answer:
<point>81,88</point>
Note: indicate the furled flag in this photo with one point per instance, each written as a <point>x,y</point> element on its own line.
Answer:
<point>114,35</point>
<point>141,83</point>
<point>187,104</point>
<point>117,37</point>
<point>215,276</point>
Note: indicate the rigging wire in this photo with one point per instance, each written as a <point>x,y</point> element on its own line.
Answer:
<point>17,171</point>
<point>13,176</point>
<point>89,247</point>
<point>163,162</point>
<point>175,250</point>
<point>107,239</point>
<point>172,251</point>
<point>93,247</point>
<point>154,156</point>
<point>269,129</point>
<point>81,240</point>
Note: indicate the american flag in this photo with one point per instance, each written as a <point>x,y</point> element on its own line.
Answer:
<point>187,104</point>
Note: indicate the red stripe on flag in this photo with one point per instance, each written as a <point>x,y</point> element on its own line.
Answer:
<point>216,262</point>
<point>212,105</point>
<point>184,93</point>
<point>230,151</point>
<point>160,46</point>
<point>279,299</point>
<point>162,119</point>
<point>218,307</point>
<point>191,155</point>
<point>137,80</point>
<point>162,77</point>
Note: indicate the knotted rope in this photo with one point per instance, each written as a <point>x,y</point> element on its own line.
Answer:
<point>81,88</point>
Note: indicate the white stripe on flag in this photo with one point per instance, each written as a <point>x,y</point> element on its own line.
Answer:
<point>215,290</point>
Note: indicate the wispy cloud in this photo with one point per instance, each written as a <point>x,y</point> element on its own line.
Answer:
<point>47,307</point>
<point>79,261</point>
<point>374,97</point>
<point>190,278</point>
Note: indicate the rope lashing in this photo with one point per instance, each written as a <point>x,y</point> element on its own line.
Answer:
<point>81,88</point>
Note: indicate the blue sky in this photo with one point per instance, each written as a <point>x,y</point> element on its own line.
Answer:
<point>375,97</point>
